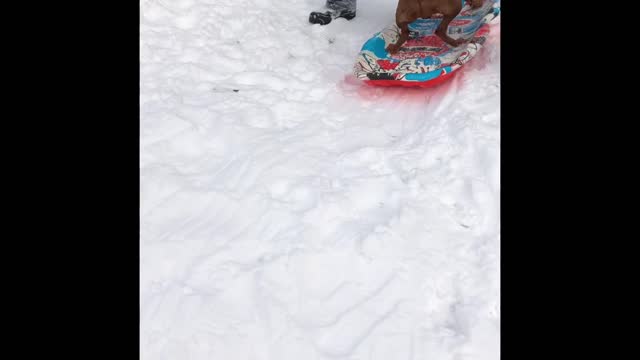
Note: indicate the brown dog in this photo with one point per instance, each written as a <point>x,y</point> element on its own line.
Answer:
<point>409,11</point>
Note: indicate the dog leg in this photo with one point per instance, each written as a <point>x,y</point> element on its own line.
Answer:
<point>476,3</point>
<point>404,36</point>
<point>441,31</point>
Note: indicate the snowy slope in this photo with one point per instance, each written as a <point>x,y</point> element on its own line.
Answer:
<point>305,216</point>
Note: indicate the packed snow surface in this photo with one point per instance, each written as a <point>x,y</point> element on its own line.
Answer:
<point>289,212</point>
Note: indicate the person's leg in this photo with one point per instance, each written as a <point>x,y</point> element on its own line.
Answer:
<point>349,5</point>
<point>337,9</point>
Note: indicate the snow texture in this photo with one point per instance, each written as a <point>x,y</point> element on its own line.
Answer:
<point>288,212</point>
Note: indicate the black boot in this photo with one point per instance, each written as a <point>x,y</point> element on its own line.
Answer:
<point>337,9</point>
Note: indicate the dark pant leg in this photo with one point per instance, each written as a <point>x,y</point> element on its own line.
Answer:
<point>338,9</point>
<point>349,5</point>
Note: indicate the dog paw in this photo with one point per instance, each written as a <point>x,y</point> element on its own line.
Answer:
<point>458,42</point>
<point>392,49</point>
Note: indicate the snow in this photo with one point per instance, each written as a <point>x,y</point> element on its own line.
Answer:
<point>288,212</point>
